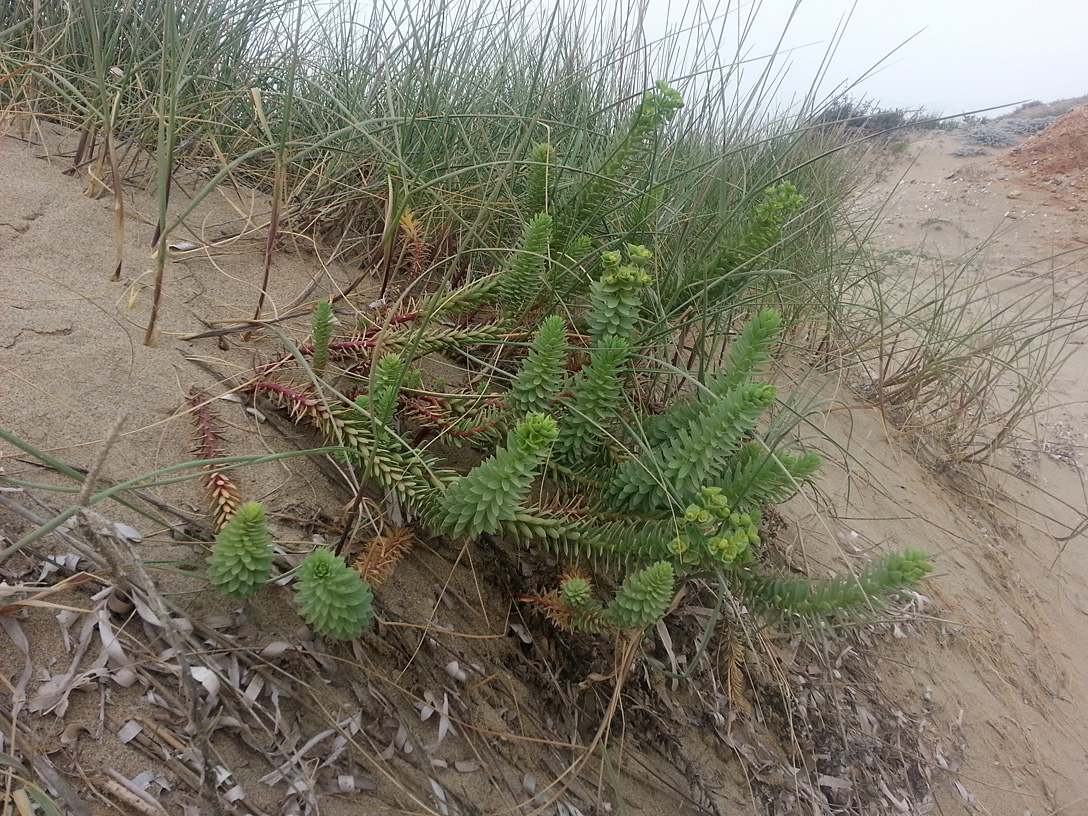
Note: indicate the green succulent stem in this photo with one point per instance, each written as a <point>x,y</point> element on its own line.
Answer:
<point>758,477</point>
<point>748,354</point>
<point>764,232</point>
<point>657,108</point>
<point>540,177</point>
<point>472,296</point>
<point>241,558</point>
<point>495,490</point>
<point>321,331</point>
<point>385,384</point>
<point>644,598</point>
<point>541,376</point>
<point>834,599</point>
<point>524,277</point>
<point>614,297</point>
<point>596,394</point>
<point>334,599</point>
<point>695,455</point>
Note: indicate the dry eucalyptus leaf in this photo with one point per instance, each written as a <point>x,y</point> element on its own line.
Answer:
<point>444,725</point>
<point>402,741</point>
<point>833,782</point>
<point>467,766</point>
<point>426,709</point>
<point>274,649</point>
<point>221,622</point>
<point>387,754</point>
<point>345,783</point>
<point>454,670</point>
<point>71,733</point>
<point>15,633</point>
<point>65,619</point>
<point>125,531</point>
<point>440,797</point>
<point>522,632</point>
<point>902,805</point>
<point>209,680</point>
<point>142,780</point>
<point>965,794</point>
<point>134,795</point>
<point>253,690</point>
<point>52,695</point>
<point>129,731</point>
<point>119,604</point>
<point>349,783</point>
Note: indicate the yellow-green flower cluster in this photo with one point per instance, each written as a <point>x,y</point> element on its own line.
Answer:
<point>638,255</point>
<point>711,533</point>
<point>729,547</point>
<point>615,296</point>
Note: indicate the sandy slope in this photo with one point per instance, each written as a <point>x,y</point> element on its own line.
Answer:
<point>1017,675</point>
<point>987,691</point>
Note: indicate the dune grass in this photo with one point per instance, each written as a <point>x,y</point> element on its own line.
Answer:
<point>371,125</point>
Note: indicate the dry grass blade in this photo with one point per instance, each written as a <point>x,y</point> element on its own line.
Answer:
<point>963,360</point>
<point>39,596</point>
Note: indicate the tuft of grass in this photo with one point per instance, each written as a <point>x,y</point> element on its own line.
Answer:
<point>959,358</point>
<point>360,120</point>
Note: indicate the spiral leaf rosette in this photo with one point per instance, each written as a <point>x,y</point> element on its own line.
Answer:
<point>494,491</point>
<point>644,598</point>
<point>241,557</point>
<point>334,599</point>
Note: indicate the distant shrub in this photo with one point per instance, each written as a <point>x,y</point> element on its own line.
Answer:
<point>991,136</point>
<point>1027,127</point>
<point>964,152</point>
<point>885,120</point>
<point>868,117</point>
<point>846,112</point>
<point>1033,104</point>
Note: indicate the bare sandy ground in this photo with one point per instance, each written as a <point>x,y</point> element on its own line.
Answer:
<point>986,688</point>
<point>1016,677</point>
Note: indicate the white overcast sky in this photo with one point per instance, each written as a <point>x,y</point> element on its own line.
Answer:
<point>964,55</point>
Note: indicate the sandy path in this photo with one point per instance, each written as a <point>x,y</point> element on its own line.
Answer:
<point>1019,677</point>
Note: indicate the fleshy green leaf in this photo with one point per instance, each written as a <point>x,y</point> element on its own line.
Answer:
<point>494,491</point>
